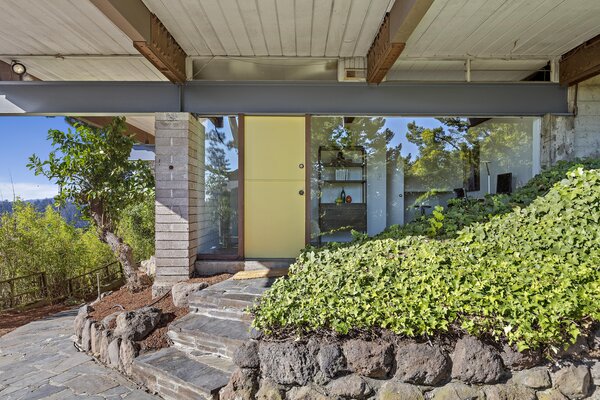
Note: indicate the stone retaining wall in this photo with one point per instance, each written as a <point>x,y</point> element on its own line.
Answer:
<point>118,347</point>
<point>393,369</point>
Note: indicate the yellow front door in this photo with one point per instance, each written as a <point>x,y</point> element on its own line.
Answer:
<point>274,180</point>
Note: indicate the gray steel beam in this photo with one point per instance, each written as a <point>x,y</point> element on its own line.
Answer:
<point>220,98</point>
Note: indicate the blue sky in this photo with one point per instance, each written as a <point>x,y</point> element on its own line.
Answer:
<point>22,137</point>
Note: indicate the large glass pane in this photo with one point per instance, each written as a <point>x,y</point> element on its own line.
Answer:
<point>397,169</point>
<point>218,188</point>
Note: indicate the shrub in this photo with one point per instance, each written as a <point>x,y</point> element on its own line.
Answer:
<point>33,241</point>
<point>136,227</point>
<point>528,277</point>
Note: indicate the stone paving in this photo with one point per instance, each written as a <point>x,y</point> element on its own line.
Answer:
<point>39,361</point>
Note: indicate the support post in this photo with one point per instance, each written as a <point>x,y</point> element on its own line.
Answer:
<point>179,137</point>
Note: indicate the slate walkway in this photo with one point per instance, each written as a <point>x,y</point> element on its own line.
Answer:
<point>39,361</point>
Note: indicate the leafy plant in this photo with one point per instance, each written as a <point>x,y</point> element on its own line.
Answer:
<point>34,241</point>
<point>528,277</point>
<point>91,166</point>
<point>136,227</point>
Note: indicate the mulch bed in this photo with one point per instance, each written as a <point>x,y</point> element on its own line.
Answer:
<point>124,300</point>
<point>11,320</point>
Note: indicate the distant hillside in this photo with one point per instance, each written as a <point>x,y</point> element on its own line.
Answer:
<point>68,212</point>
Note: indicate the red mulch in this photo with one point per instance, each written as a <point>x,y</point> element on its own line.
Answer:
<point>11,320</point>
<point>124,300</point>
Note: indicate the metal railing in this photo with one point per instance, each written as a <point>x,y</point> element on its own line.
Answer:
<point>23,291</point>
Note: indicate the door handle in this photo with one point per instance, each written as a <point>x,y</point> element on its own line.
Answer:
<point>301,192</point>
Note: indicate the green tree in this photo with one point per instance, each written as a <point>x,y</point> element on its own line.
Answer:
<point>92,168</point>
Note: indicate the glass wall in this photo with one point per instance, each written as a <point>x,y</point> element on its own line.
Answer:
<point>218,188</point>
<point>373,172</point>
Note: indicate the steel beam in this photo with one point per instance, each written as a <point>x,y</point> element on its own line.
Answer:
<point>219,98</point>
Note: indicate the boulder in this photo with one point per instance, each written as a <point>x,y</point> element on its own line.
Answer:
<point>269,390</point>
<point>86,338</point>
<point>243,385</point>
<point>286,363</point>
<point>331,360</point>
<point>308,393</point>
<point>594,339</point>
<point>581,346</point>
<point>107,336</point>
<point>508,392</point>
<point>181,292</point>
<point>95,338</point>
<point>573,382</point>
<point>114,359</point>
<point>128,351</point>
<point>372,359</point>
<point>399,391</point>
<point>457,391</point>
<point>422,364</point>
<point>246,356</point>
<point>78,325</point>
<point>107,322</point>
<point>85,310</point>
<point>551,394</point>
<point>350,386</point>
<point>148,266</point>
<point>475,362</point>
<point>136,325</point>
<point>535,378</point>
<point>517,361</point>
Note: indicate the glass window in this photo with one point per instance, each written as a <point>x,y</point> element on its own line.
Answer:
<point>373,172</point>
<point>218,188</point>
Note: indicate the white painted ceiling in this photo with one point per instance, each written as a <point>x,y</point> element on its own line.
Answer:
<point>295,28</point>
<point>297,39</point>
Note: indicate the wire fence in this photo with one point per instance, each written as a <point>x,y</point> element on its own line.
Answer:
<point>28,290</point>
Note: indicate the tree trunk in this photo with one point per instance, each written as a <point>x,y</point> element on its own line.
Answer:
<point>124,254</point>
<point>122,250</point>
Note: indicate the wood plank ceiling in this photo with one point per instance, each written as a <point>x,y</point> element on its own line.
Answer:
<point>86,44</point>
<point>506,39</point>
<point>288,28</point>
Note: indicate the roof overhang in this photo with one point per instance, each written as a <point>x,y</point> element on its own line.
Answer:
<point>221,98</point>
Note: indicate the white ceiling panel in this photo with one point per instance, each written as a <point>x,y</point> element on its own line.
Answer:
<point>503,28</point>
<point>135,68</point>
<point>58,27</point>
<point>294,28</point>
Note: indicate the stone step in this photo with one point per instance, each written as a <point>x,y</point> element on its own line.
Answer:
<point>229,299</point>
<point>207,334</point>
<point>174,375</point>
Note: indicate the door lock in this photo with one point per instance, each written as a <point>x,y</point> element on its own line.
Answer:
<point>301,192</point>
<point>301,166</point>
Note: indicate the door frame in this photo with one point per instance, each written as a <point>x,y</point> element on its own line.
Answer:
<point>240,256</point>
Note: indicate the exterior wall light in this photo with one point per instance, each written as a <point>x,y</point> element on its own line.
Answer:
<point>18,68</point>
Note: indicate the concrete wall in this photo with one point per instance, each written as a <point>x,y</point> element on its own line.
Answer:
<point>577,136</point>
<point>178,139</point>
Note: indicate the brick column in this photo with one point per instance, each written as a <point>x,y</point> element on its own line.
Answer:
<point>179,144</point>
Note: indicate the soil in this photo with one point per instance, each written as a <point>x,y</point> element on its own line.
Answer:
<point>11,320</point>
<point>124,300</point>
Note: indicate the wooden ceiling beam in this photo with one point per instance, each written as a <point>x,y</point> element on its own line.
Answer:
<point>581,63</point>
<point>138,134</point>
<point>148,34</point>
<point>396,28</point>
